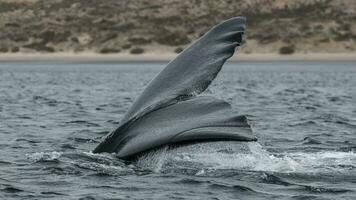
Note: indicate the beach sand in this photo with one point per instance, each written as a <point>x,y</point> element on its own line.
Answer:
<point>166,57</point>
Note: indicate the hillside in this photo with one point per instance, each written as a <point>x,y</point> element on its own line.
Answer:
<point>137,26</point>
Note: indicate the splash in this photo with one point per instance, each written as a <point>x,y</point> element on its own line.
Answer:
<point>44,156</point>
<point>153,160</point>
<point>100,164</point>
<point>247,157</point>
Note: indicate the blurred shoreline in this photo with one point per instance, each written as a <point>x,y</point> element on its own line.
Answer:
<point>145,27</point>
<point>166,57</point>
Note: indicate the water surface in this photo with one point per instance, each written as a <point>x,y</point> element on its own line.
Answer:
<point>53,114</point>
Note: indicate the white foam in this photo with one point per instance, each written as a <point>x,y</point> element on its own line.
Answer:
<point>44,156</point>
<point>153,160</point>
<point>210,157</point>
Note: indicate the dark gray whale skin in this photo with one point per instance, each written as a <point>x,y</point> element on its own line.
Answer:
<point>169,111</point>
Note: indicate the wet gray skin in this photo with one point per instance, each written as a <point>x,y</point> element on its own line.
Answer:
<point>169,111</point>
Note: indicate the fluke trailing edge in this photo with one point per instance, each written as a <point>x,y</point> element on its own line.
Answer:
<point>169,110</point>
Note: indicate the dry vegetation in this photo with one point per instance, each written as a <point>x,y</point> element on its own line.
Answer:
<point>136,26</point>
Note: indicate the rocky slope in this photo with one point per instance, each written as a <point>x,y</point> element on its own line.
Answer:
<point>137,26</point>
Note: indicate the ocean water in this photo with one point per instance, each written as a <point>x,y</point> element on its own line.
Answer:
<point>53,114</point>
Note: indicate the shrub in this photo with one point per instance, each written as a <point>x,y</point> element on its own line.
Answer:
<point>139,40</point>
<point>137,50</point>
<point>3,49</point>
<point>286,50</point>
<point>75,39</point>
<point>40,47</point>
<point>15,49</point>
<point>126,46</point>
<point>178,50</point>
<point>172,38</point>
<point>109,50</point>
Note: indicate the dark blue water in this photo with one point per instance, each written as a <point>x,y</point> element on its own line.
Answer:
<point>53,114</point>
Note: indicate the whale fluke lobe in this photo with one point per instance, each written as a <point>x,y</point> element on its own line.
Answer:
<point>193,70</point>
<point>168,112</point>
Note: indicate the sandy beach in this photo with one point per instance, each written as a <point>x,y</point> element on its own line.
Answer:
<point>166,57</point>
<point>108,31</point>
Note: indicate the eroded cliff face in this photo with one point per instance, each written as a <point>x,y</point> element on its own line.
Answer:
<point>138,26</point>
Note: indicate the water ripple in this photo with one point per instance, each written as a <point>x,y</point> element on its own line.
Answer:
<point>52,115</point>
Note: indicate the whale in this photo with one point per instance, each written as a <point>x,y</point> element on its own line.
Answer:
<point>171,109</point>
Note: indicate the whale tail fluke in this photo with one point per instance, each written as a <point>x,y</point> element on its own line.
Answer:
<point>192,71</point>
<point>168,112</point>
